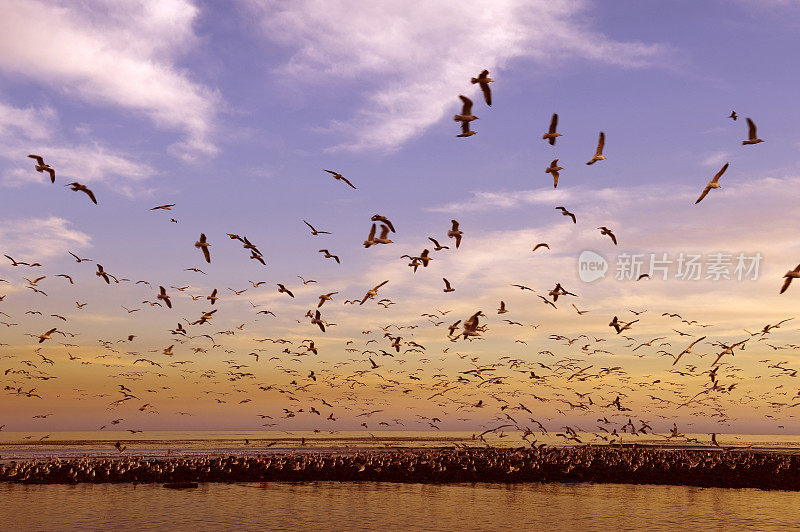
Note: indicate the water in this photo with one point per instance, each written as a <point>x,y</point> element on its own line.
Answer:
<point>20,446</point>
<point>385,506</point>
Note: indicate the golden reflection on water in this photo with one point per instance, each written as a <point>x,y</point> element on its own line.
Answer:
<point>372,506</point>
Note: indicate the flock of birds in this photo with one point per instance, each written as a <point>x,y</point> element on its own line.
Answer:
<point>537,464</point>
<point>282,379</point>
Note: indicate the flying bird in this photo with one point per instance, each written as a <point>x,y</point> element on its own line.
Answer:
<point>752,135</point>
<point>554,169</point>
<point>315,232</point>
<point>454,232</point>
<point>466,111</point>
<point>598,156</point>
<point>565,212</point>
<point>606,231</point>
<point>790,275</point>
<point>77,187</point>
<point>447,287</point>
<point>483,80</point>
<point>339,177</point>
<point>42,167</point>
<point>551,134</point>
<point>202,245</point>
<point>714,183</point>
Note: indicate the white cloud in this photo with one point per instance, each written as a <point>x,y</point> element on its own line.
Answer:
<point>424,53</point>
<point>39,238</point>
<point>121,54</point>
<point>31,122</point>
<point>30,130</point>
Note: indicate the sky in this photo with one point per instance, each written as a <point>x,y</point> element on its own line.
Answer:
<point>232,112</point>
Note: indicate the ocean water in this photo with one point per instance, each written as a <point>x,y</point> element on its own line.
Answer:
<point>387,506</point>
<point>28,445</point>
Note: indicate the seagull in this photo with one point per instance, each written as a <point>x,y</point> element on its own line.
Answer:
<point>314,231</point>
<point>554,169</point>
<point>551,134</point>
<point>77,258</point>
<point>203,246</point>
<point>752,136</point>
<point>317,320</point>
<point>372,292</point>
<point>580,312</point>
<point>598,156</point>
<point>714,183</point>
<point>687,350</point>
<point>447,287</point>
<point>455,233</point>
<point>42,167</point>
<point>340,177</point>
<point>606,231</point>
<point>466,111</point>
<point>326,297</point>
<point>77,187</point>
<point>46,336</point>
<point>438,246</point>
<point>285,290</point>
<point>328,255</point>
<point>483,79</point>
<point>502,309</point>
<point>162,295</point>
<point>733,115</point>
<point>371,238</point>
<point>466,131</point>
<point>101,273</point>
<point>791,274</point>
<point>167,207</point>
<point>541,245</point>
<point>565,212</point>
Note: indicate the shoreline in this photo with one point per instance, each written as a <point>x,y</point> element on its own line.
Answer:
<point>729,468</point>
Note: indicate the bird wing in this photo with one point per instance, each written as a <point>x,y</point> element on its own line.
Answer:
<point>466,109</point>
<point>383,283</point>
<point>786,284</point>
<point>487,92</point>
<point>601,142</point>
<point>553,124</point>
<point>455,225</point>
<point>719,174</point>
<point>206,254</point>
<point>91,195</point>
<point>751,129</point>
<point>38,159</point>
<point>346,181</point>
<point>309,225</point>
<point>703,195</point>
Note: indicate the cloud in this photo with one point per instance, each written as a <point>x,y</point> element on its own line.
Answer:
<point>121,54</point>
<point>33,123</point>
<point>30,130</point>
<point>40,238</point>
<point>424,53</point>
